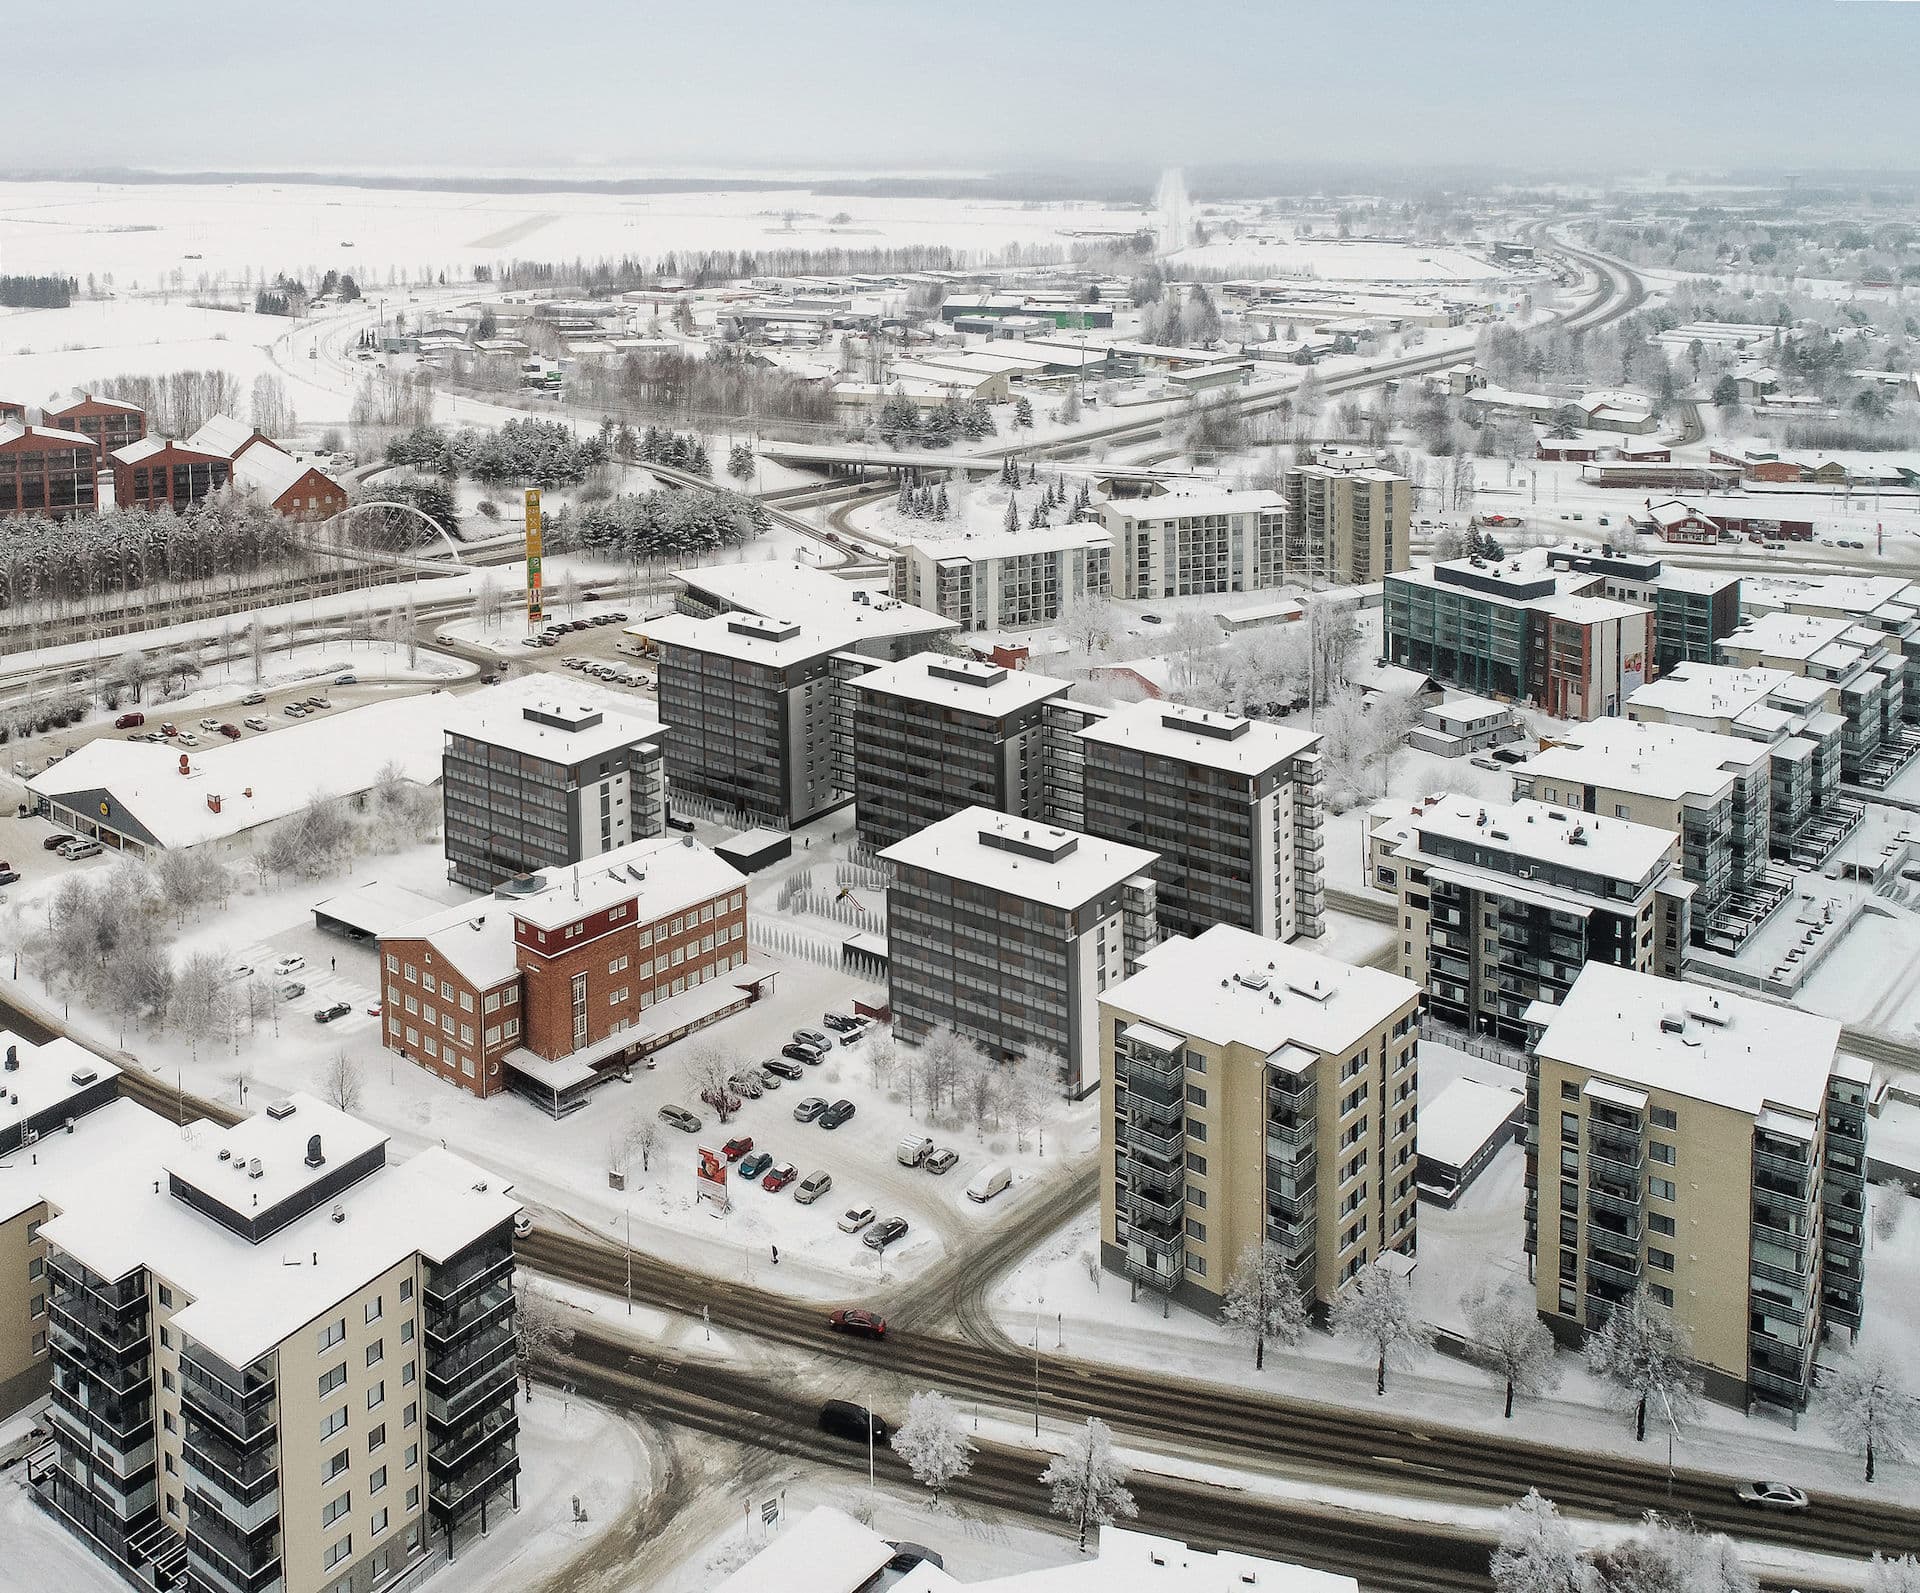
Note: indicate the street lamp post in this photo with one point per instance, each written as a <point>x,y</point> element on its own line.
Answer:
<point>1039,1301</point>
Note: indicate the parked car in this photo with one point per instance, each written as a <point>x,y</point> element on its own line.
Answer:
<point>240,970</point>
<point>339,1009</point>
<point>768,1081</point>
<point>522,1225</point>
<point>723,1102</point>
<point>55,841</point>
<point>373,1009</point>
<point>813,1186</point>
<point>882,1234</point>
<point>292,963</point>
<point>747,1085</point>
<point>942,1160</point>
<point>843,1419</point>
<point>78,848</point>
<point>836,1114</point>
<point>854,1218</point>
<point>9,876</point>
<point>345,678</point>
<point>851,1319</point>
<point>169,729</point>
<point>781,1066</point>
<point>679,1117</point>
<point>753,1166</point>
<point>255,723</point>
<point>839,1022</point>
<point>292,990</point>
<point>253,699</point>
<point>803,1053</point>
<point>988,1182</point>
<point>209,724</point>
<point>129,721</point>
<point>814,1038</point>
<point>912,1150</point>
<point>231,732</point>
<point>189,740</point>
<point>809,1109</point>
<point>737,1147</point>
<point>1771,1496</point>
<point>777,1178</point>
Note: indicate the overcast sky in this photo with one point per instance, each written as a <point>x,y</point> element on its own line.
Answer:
<point>644,86</point>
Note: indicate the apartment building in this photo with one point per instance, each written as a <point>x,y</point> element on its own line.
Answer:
<point>1887,604</point>
<point>1517,630</point>
<point>278,1360</point>
<point>1862,671</point>
<point>156,473</point>
<point>1195,544</point>
<point>1713,791</point>
<point>1007,930</point>
<point>933,734</point>
<point>560,980</point>
<point>750,697</point>
<point>1711,1149</point>
<point>108,423</point>
<point>1346,525</point>
<point>1693,610</point>
<point>1008,580</point>
<point>1789,716</point>
<point>1255,1094</point>
<point>43,471</point>
<point>1502,904</point>
<point>539,774</point>
<point>1233,809</point>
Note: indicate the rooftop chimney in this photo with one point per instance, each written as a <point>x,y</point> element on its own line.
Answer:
<point>314,1158</point>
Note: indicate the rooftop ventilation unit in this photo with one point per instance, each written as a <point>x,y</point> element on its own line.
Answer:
<point>280,1110</point>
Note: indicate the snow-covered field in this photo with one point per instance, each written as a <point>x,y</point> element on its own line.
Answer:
<point>1336,260</point>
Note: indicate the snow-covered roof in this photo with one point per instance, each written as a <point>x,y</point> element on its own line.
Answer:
<point>1229,985</point>
<point>259,778</point>
<point>73,399</point>
<point>555,718</point>
<point>12,432</point>
<point>1682,1039</point>
<point>825,1551</point>
<point>1189,505</point>
<point>247,1297</point>
<point>1534,832</point>
<point>660,875</point>
<point>1021,857</point>
<point>136,453</point>
<point>270,471</point>
<point>1656,760</point>
<point>44,1078</point>
<point>1141,1562</point>
<point>967,684</point>
<point>1454,1125</point>
<point>1468,710</point>
<point>474,937</point>
<point>1719,692</point>
<point>223,435</point>
<point>1837,642</point>
<point>979,546</point>
<point>1195,735</point>
<point>377,908</point>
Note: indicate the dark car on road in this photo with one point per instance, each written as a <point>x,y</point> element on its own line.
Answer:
<point>756,1164</point>
<point>782,1067</point>
<point>338,1010</point>
<point>836,1114</point>
<point>844,1419</point>
<point>802,1053</point>
<point>882,1234</point>
<point>851,1319</point>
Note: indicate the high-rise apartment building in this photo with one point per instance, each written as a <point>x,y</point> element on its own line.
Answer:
<point>538,775</point>
<point>1347,526</point>
<point>1502,904</point>
<point>278,1361</point>
<point>1710,1149</point>
<point>1007,930</point>
<point>933,734</point>
<point>1232,806</point>
<point>1196,544</point>
<point>1005,580</point>
<point>1255,1094</point>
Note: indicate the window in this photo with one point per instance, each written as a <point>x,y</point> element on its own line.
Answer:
<point>333,1467</point>
<point>1196,1129</point>
<point>1659,1223</point>
<point>1665,1117</point>
<point>376,1437</point>
<point>413,1456</point>
<point>377,1395</point>
<point>413,1498</point>
<point>379,1522</point>
<point>1196,1095</point>
<point>334,1509</point>
<point>406,1290</point>
<point>375,1350</point>
<point>377,1481</point>
<point>334,1380</point>
<point>406,1375</point>
<point>373,1310</point>
<point>336,1552</point>
<point>1196,1230</point>
<point>409,1417</point>
<point>1661,1152</point>
<point>1569,1091</point>
<point>1660,1188</point>
<point>1660,1293</point>
<point>330,1423</point>
<point>37,1308</point>
<point>406,1331</point>
<point>1196,1163</point>
<point>166,1294</point>
<point>1663,1259</point>
<point>1196,1196</point>
<point>166,1421</point>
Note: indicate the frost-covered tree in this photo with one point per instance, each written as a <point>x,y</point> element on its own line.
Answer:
<point>541,1334</point>
<point>1538,1552</point>
<point>740,462</point>
<point>1023,412</point>
<point>1893,1576</point>
<point>1510,1338</point>
<point>1870,1409</point>
<point>1671,1557</point>
<point>932,1443</point>
<point>1089,1484</point>
<point>1263,1301</point>
<point>1646,1355</point>
<point>342,1082</point>
<point>1088,622</point>
<point>1376,1309</point>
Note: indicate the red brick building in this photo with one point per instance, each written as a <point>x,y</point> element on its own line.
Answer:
<point>107,423</point>
<point>560,981</point>
<point>157,474</point>
<point>10,411</point>
<point>46,472</point>
<point>296,490</point>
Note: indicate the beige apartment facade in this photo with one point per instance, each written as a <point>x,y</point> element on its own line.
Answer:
<point>1347,526</point>
<point>1255,1093</point>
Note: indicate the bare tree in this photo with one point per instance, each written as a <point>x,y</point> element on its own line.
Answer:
<point>1264,1301</point>
<point>1870,1409</point>
<point>1510,1338</point>
<point>1376,1309</point>
<point>1893,1576</point>
<point>932,1443</point>
<point>1538,1552</point>
<point>710,1071</point>
<point>542,1334</point>
<point>646,1140</point>
<point>1088,1481</point>
<point>341,1082</point>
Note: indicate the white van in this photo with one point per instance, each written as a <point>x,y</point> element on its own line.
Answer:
<point>988,1182</point>
<point>913,1150</point>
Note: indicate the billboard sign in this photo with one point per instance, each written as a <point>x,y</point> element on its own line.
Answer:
<point>710,1178</point>
<point>536,609</point>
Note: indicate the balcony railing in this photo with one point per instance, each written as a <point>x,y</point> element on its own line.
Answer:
<point>1140,1060</point>
<point>1144,1139</point>
<point>1285,1137</point>
<point>1147,1207</point>
<point>1599,1271</point>
<point>1143,1110</point>
<point>1155,1179</point>
<point>1609,1164</point>
<point>1615,1201</point>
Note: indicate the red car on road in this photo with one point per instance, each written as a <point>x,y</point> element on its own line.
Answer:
<point>734,1149</point>
<point>852,1319</point>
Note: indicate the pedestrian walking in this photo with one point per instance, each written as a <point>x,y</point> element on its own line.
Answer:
<point>776,1255</point>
